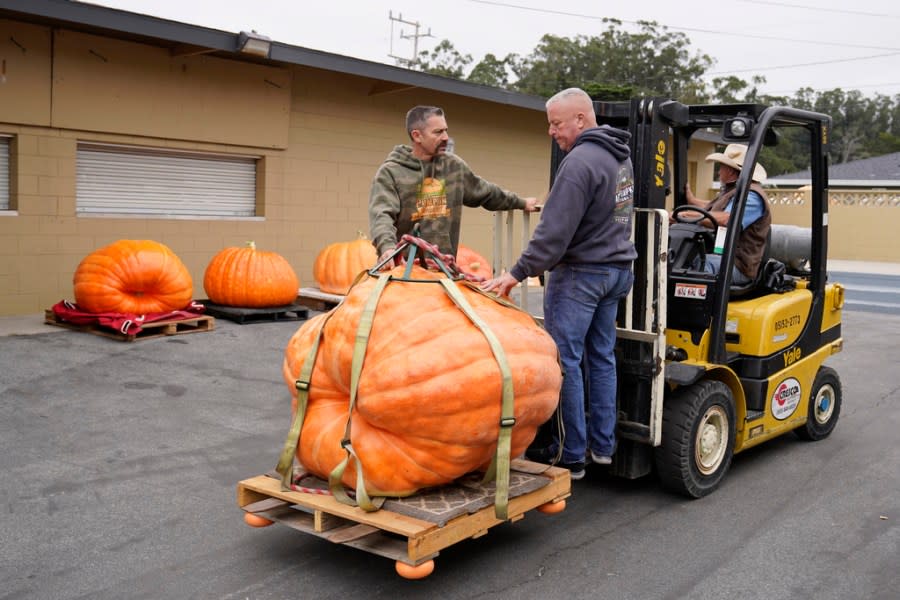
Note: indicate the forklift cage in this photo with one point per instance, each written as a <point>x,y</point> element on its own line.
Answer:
<point>641,321</point>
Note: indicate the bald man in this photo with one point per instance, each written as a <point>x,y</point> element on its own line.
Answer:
<point>583,239</point>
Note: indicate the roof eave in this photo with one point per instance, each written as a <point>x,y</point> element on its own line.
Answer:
<point>115,20</point>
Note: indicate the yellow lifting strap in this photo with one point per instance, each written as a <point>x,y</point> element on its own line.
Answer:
<point>285,466</point>
<point>499,469</point>
<point>367,318</point>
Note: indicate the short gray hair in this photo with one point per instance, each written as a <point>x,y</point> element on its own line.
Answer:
<point>569,94</point>
<point>419,115</point>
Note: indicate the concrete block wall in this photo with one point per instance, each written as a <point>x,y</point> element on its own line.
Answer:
<point>312,193</point>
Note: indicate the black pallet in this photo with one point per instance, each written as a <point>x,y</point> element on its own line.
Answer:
<point>243,316</point>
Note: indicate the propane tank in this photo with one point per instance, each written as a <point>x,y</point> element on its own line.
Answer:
<point>791,245</point>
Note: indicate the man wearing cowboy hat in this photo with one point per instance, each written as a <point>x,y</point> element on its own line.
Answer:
<point>751,243</point>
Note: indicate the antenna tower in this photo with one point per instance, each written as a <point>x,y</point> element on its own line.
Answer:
<point>407,62</point>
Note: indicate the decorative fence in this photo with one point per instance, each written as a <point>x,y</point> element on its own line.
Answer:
<point>863,224</point>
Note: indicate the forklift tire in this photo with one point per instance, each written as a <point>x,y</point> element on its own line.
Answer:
<point>697,438</point>
<point>824,406</point>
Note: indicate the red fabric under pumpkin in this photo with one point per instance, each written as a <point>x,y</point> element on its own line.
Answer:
<point>121,322</point>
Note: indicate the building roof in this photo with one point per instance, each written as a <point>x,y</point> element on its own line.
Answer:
<point>184,38</point>
<point>877,171</point>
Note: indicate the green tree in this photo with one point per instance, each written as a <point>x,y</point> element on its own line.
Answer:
<point>733,89</point>
<point>619,65</point>
<point>653,62</point>
<point>444,60</point>
<point>492,71</point>
<point>609,93</point>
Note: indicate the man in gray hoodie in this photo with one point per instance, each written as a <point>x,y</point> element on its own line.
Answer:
<point>422,184</point>
<point>583,239</point>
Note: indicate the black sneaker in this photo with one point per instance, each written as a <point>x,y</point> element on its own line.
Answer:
<point>576,469</point>
<point>544,455</point>
<point>548,456</point>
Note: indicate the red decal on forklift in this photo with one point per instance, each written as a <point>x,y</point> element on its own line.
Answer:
<point>690,290</point>
<point>786,398</point>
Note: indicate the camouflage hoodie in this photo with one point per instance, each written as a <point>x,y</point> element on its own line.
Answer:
<point>407,191</point>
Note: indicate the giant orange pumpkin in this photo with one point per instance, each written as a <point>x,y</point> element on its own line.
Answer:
<point>338,264</point>
<point>250,278</point>
<point>429,393</point>
<point>473,263</point>
<point>133,277</point>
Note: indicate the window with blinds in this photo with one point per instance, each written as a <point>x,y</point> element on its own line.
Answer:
<point>126,180</point>
<point>4,172</point>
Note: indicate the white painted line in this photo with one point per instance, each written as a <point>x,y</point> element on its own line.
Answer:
<point>872,288</point>
<point>882,304</point>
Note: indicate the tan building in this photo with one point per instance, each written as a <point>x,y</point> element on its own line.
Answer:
<point>115,125</point>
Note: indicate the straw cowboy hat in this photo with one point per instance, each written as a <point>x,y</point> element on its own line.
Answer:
<point>734,157</point>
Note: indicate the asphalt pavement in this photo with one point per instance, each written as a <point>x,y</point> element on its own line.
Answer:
<point>120,463</point>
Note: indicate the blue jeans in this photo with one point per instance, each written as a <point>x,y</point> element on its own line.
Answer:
<point>580,307</point>
<point>714,264</point>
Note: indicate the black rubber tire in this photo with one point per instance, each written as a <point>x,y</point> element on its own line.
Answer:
<point>821,418</point>
<point>684,464</point>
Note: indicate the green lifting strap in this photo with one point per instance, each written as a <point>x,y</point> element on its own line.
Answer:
<point>499,468</point>
<point>285,465</point>
<point>367,318</point>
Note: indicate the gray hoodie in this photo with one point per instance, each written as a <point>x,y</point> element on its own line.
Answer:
<point>587,216</point>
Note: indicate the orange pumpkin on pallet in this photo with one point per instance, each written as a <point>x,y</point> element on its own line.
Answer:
<point>428,399</point>
<point>132,277</point>
<point>338,264</point>
<point>473,263</point>
<point>250,278</point>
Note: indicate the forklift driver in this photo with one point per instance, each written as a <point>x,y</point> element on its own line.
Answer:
<point>755,225</point>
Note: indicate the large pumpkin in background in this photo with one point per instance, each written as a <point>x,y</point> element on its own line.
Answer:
<point>338,264</point>
<point>429,394</point>
<point>132,277</point>
<point>250,278</point>
<point>473,263</point>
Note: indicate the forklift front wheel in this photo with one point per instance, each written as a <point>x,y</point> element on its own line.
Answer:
<point>698,438</point>
<point>824,406</point>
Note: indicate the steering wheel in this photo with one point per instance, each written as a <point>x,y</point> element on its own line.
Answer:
<point>678,215</point>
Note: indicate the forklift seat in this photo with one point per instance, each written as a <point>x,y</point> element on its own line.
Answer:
<point>770,277</point>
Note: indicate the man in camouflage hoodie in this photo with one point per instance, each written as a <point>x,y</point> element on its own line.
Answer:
<point>422,184</point>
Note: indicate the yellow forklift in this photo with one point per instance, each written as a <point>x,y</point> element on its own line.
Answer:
<point>707,369</point>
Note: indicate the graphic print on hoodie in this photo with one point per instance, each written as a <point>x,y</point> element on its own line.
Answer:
<point>431,200</point>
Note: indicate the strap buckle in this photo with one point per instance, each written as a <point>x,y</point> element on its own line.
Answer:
<point>302,385</point>
<point>507,422</point>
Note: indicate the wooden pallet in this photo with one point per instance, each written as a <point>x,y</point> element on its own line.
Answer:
<point>413,542</point>
<point>316,299</point>
<point>148,330</point>
<point>292,312</point>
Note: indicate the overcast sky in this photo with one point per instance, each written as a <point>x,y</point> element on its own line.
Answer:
<point>822,44</point>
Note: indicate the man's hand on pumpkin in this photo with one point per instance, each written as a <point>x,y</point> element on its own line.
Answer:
<point>501,285</point>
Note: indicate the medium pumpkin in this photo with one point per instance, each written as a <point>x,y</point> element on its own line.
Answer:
<point>338,264</point>
<point>473,263</point>
<point>132,277</point>
<point>428,402</point>
<point>250,278</point>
